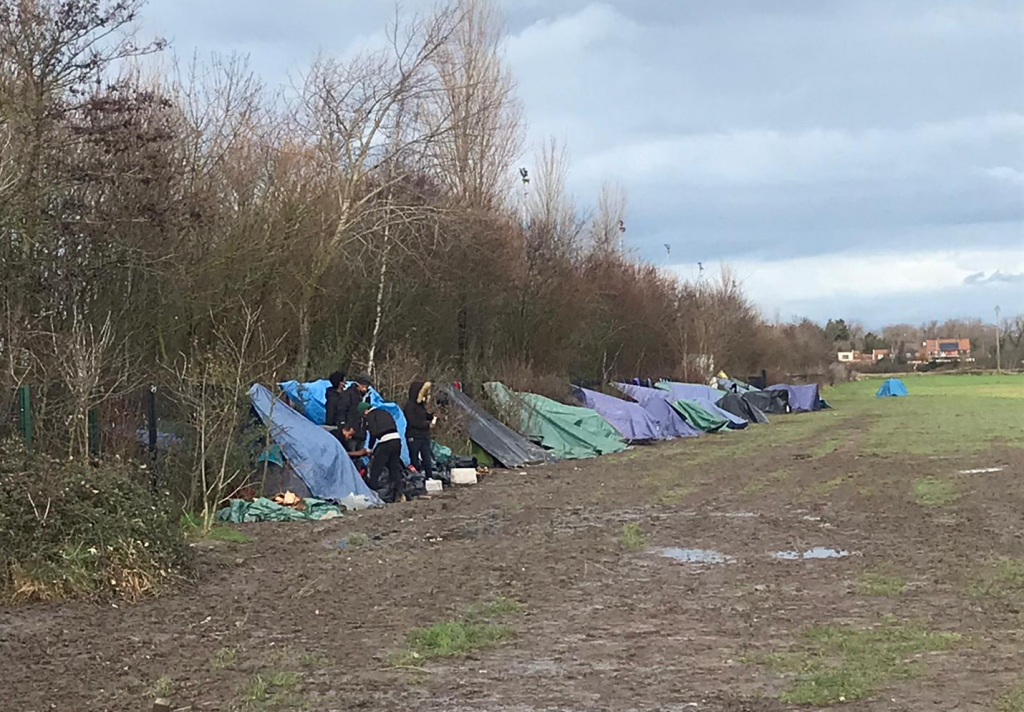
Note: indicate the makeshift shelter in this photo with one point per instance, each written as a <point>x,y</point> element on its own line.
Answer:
<point>768,401</point>
<point>500,442</point>
<point>731,385</point>
<point>739,406</point>
<point>316,455</point>
<point>892,388</point>
<point>656,402</point>
<point>568,431</point>
<point>700,418</point>
<point>630,419</point>
<point>802,399</point>
<point>689,391</point>
<point>311,400</point>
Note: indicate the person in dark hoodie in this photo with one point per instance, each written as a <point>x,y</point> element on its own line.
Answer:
<point>343,403</point>
<point>386,470</point>
<point>417,429</point>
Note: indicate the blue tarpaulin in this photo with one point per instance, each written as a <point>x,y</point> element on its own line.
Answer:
<point>892,388</point>
<point>315,455</point>
<point>630,419</point>
<point>656,402</point>
<point>311,399</point>
<point>802,399</point>
<point>690,391</point>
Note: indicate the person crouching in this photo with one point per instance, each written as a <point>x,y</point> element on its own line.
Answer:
<point>386,457</point>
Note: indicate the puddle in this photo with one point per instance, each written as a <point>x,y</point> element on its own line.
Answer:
<point>693,556</point>
<point>982,471</point>
<point>818,552</point>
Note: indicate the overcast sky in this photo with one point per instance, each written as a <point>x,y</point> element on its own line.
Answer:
<point>854,158</point>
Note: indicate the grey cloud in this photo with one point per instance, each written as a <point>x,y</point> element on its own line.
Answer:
<point>996,277</point>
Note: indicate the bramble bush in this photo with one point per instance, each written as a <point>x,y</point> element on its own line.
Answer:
<point>69,529</point>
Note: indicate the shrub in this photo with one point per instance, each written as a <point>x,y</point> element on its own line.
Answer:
<point>72,530</point>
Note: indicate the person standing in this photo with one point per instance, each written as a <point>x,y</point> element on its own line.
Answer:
<point>386,470</point>
<point>419,421</point>
<point>333,418</point>
<point>343,407</point>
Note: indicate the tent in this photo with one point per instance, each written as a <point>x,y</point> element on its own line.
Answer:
<point>801,398</point>
<point>700,418</point>
<point>312,399</point>
<point>892,387</point>
<point>738,405</point>
<point>656,402</point>
<point>316,455</point>
<point>503,444</point>
<point>768,401</point>
<point>630,419</point>
<point>689,391</point>
<point>570,432</point>
<point>731,385</point>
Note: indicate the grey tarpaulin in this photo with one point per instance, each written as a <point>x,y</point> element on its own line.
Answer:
<point>316,455</point>
<point>739,405</point>
<point>506,446</point>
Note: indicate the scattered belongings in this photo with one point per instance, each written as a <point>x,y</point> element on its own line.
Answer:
<point>464,476</point>
<point>892,388</point>
<point>434,486</point>
<point>267,510</point>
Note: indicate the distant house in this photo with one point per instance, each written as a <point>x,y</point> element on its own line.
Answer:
<point>945,350</point>
<point>847,356</point>
<point>860,357</point>
<point>879,355</point>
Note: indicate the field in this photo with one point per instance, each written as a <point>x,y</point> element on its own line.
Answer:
<point>870,556</point>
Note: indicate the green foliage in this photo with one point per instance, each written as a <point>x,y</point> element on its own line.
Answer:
<point>1012,700</point>
<point>271,691</point>
<point>163,686</point>
<point>632,537</point>
<point>497,608</point>
<point>842,664</point>
<point>73,530</point>
<point>451,638</point>
<point>935,492</point>
<point>1000,578</point>
<point>224,658</point>
<point>193,527</point>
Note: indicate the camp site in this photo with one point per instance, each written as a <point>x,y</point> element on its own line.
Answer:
<point>492,356</point>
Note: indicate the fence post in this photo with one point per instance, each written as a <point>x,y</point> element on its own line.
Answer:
<point>25,416</point>
<point>94,432</point>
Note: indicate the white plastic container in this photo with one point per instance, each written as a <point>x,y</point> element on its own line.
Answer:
<point>434,486</point>
<point>464,476</point>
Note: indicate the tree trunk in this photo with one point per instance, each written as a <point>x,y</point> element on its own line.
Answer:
<point>381,279</point>
<point>302,355</point>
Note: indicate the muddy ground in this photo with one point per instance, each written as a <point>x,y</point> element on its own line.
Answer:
<point>604,625</point>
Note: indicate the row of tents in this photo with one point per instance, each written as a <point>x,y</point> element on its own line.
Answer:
<point>544,430</point>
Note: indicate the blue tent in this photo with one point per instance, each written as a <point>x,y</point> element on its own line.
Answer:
<point>311,401</point>
<point>893,387</point>
<point>316,455</point>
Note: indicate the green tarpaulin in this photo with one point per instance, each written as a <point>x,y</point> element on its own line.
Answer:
<point>698,417</point>
<point>265,510</point>
<point>568,431</point>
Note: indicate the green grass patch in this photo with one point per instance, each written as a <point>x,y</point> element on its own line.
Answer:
<point>497,608</point>
<point>880,583</point>
<point>314,659</point>
<point>632,537</point>
<point>448,639</point>
<point>224,658</point>
<point>1012,700</point>
<point>828,446</point>
<point>768,481</point>
<point>935,492</point>
<point>835,483</point>
<point>192,525</point>
<point>1000,578</point>
<point>842,664</point>
<point>163,686</point>
<point>271,691</point>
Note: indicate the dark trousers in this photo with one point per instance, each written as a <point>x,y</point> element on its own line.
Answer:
<point>420,456</point>
<point>386,470</point>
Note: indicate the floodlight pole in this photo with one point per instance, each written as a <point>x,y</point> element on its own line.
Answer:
<point>999,361</point>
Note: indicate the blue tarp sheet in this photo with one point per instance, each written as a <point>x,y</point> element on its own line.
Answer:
<point>312,397</point>
<point>690,391</point>
<point>801,398</point>
<point>894,388</point>
<point>630,419</point>
<point>655,402</point>
<point>315,455</point>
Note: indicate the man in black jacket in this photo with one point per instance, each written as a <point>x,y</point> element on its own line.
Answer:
<point>386,469</point>
<point>343,403</point>
<point>417,430</point>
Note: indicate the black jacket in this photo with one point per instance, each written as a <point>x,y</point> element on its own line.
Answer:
<point>378,423</point>
<point>417,417</point>
<point>343,407</point>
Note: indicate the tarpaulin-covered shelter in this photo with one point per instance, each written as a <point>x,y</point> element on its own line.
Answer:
<point>656,402</point>
<point>803,399</point>
<point>699,417</point>
<point>690,391</point>
<point>311,399</point>
<point>892,388</point>
<point>630,419</point>
<point>768,401</point>
<point>500,442</point>
<point>739,406</point>
<point>568,431</point>
<point>315,455</point>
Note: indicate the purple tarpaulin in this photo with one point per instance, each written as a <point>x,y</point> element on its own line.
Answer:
<point>801,398</point>
<point>630,419</point>
<point>690,391</point>
<point>655,402</point>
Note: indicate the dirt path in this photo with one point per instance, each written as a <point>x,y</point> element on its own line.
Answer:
<point>604,626</point>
